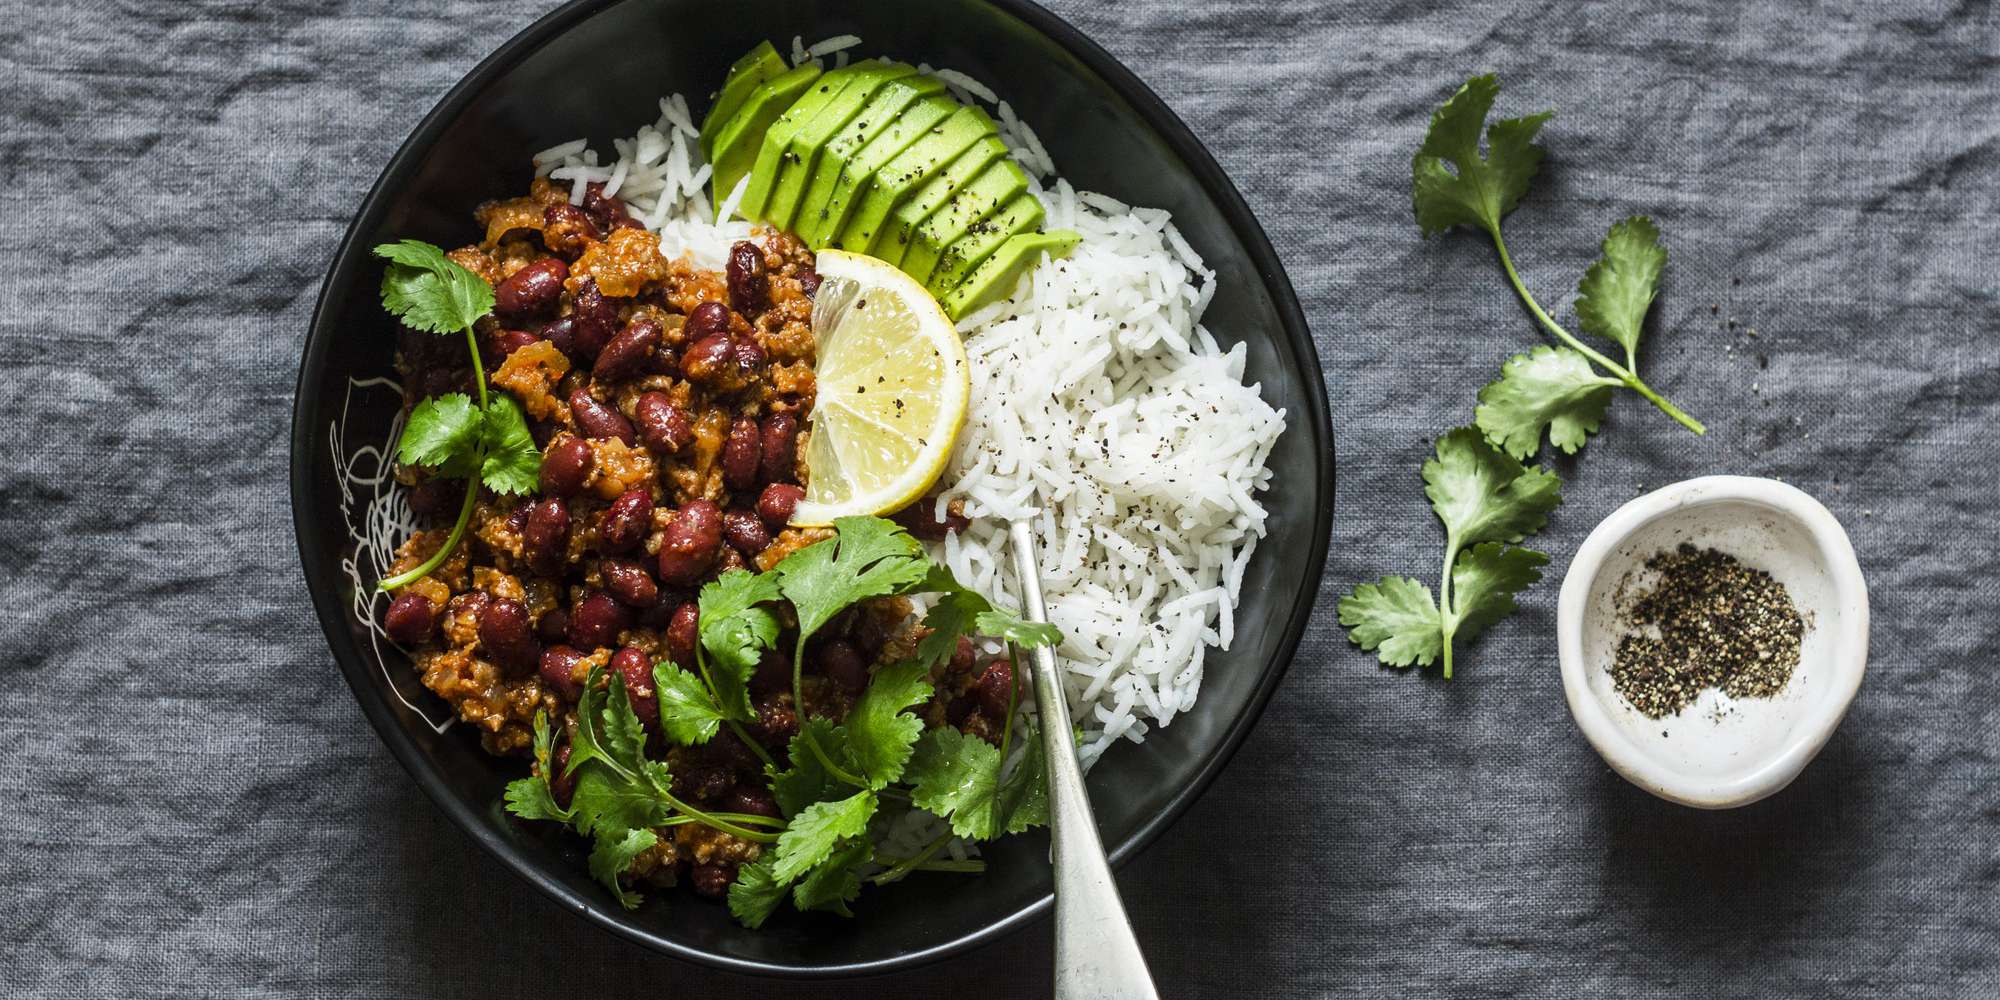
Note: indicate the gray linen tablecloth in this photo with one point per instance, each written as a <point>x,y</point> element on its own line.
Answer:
<point>193,806</point>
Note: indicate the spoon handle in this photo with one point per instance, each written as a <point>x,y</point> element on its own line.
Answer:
<point>1097,958</point>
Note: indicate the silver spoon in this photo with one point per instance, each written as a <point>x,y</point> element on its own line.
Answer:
<point>1097,958</point>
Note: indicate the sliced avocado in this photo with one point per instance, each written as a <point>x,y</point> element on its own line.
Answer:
<point>1021,215</point>
<point>996,275</point>
<point>758,65</point>
<point>795,169</point>
<point>884,111</point>
<point>908,171</point>
<point>995,186</point>
<point>738,139</point>
<point>899,231</point>
<point>776,139</point>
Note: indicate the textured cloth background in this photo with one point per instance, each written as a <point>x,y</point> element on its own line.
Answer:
<point>194,806</point>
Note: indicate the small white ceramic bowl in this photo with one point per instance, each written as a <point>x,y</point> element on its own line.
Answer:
<point>1720,751</point>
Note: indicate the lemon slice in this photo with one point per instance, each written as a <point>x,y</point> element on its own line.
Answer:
<point>892,389</point>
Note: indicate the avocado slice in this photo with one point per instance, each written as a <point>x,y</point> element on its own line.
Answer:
<point>1021,215</point>
<point>994,187</point>
<point>899,232</point>
<point>776,139</point>
<point>745,75</point>
<point>795,169</point>
<point>737,140</point>
<point>996,275</point>
<point>885,111</point>
<point>909,170</point>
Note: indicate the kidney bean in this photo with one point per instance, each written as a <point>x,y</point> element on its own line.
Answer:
<point>561,332</point>
<point>664,427</point>
<point>776,724</point>
<point>628,352</point>
<point>505,635</point>
<point>748,355</point>
<point>410,618</point>
<point>809,283</point>
<point>683,631</point>
<point>437,497</point>
<point>743,530</point>
<point>690,543</point>
<point>742,454</point>
<point>518,518</point>
<point>712,880</point>
<point>566,466</point>
<point>961,655</point>
<point>707,320</point>
<point>609,213</point>
<point>509,341</point>
<point>593,319</point>
<point>545,538</point>
<point>751,800</point>
<point>553,626</point>
<point>558,670</point>
<point>595,621</point>
<point>533,289</point>
<point>842,664</point>
<point>599,420</point>
<point>566,228</point>
<point>777,503</point>
<point>746,276</point>
<point>773,673</point>
<point>629,583</point>
<point>781,434</point>
<point>626,522</point>
<point>995,687</point>
<point>920,519</point>
<point>709,361</point>
<point>636,668</point>
<point>562,784</point>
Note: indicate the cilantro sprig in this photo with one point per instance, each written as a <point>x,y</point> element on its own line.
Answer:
<point>842,781</point>
<point>1552,389</point>
<point>486,442</point>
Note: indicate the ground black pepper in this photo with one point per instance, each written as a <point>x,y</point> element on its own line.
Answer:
<point>1709,622</point>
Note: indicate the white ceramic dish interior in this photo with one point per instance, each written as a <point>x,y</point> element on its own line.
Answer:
<point>1720,751</point>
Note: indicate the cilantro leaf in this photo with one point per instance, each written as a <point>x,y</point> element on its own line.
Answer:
<point>612,854</point>
<point>441,433</point>
<point>817,828</point>
<point>1619,288</point>
<point>736,631</point>
<point>836,881</point>
<point>623,736</point>
<point>1548,388</point>
<point>867,557</point>
<point>756,892</point>
<point>530,797</point>
<point>513,464</point>
<point>1012,628</point>
<point>688,713</point>
<point>429,292</point>
<point>1485,580</point>
<point>1482,190</point>
<point>807,780</point>
<point>606,801</point>
<point>1482,494</point>
<point>958,777</point>
<point>879,732</point>
<point>1397,617</point>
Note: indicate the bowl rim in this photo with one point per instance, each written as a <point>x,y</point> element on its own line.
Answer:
<point>1849,662</point>
<point>1293,335</point>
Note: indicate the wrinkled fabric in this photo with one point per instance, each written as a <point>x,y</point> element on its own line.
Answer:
<point>195,807</point>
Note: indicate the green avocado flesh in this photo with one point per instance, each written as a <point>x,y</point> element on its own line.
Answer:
<point>876,158</point>
<point>995,276</point>
<point>796,166</point>
<point>738,139</point>
<point>758,65</point>
<point>841,166</point>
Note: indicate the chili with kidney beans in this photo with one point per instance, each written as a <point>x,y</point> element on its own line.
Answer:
<point>670,406</point>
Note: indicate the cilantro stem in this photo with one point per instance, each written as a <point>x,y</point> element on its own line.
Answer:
<point>799,707</point>
<point>1447,618</point>
<point>900,868</point>
<point>701,663</point>
<point>465,506</point>
<point>1621,372</point>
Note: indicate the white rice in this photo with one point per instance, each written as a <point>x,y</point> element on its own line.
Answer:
<point>1102,412</point>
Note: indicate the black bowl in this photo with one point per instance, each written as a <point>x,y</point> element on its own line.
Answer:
<point>595,68</point>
